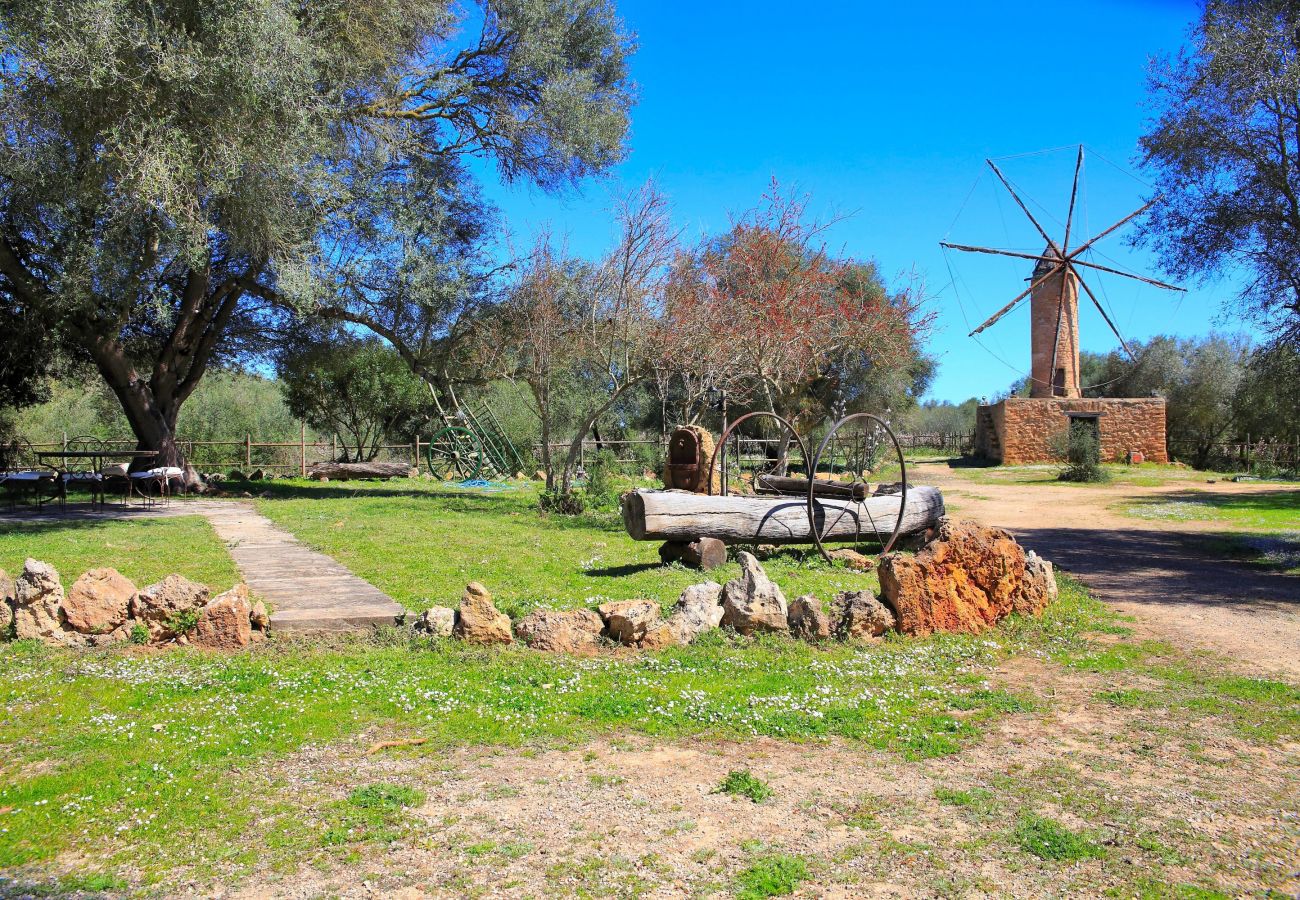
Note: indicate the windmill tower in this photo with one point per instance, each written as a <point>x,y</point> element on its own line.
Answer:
<point>1022,429</point>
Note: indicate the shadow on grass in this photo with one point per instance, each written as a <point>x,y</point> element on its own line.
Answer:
<point>623,570</point>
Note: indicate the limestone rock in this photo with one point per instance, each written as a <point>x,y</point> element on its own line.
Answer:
<point>38,598</point>
<point>165,607</point>
<point>225,623</point>
<point>698,610</point>
<point>853,559</point>
<point>99,602</point>
<point>628,621</point>
<point>964,580</point>
<point>753,602</point>
<point>479,621</point>
<point>6,606</point>
<point>1039,590</point>
<point>860,616</point>
<point>808,620</point>
<point>438,621</point>
<point>664,634</point>
<point>575,631</point>
<point>259,618</point>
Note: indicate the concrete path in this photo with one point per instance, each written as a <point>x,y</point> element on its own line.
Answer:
<point>307,591</point>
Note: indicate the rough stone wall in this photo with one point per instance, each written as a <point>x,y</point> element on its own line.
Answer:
<point>1044,314</point>
<point>1022,428</point>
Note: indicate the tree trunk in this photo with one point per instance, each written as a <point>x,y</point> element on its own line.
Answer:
<point>575,446</point>
<point>359,470</point>
<point>682,516</point>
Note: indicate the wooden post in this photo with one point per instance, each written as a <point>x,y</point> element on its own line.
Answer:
<point>416,462</point>
<point>302,449</point>
<point>248,450</point>
<point>334,447</point>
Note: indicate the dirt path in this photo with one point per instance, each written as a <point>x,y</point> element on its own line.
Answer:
<point>1161,571</point>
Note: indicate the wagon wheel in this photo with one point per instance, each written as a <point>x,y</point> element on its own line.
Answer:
<point>856,449</point>
<point>454,451</point>
<point>733,461</point>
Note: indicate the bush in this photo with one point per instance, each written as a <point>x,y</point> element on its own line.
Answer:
<point>573,503</point>
<point>744,784</point>
<point>600,479</point>
<point>775,875</point>
<point>1079,448</point>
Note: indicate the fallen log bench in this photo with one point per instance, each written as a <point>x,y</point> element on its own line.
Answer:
<point>683,517</point>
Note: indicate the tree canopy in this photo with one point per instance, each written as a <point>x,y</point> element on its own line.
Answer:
<point>1225,150</point>
<point>174,175</point>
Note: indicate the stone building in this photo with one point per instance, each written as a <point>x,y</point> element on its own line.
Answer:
<point>1024,429</point>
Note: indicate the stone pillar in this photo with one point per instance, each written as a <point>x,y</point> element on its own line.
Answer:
<point>1045,309</point>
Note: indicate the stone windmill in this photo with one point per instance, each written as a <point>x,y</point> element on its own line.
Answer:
<point>1021,429</point>
<point>1053,294</point>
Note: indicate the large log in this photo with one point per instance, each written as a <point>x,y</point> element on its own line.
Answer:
<point>786,486</point>
<point>680,516</point>
<point>337,471</point>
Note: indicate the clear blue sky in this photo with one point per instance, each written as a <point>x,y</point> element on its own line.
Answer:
<point>887,111</point>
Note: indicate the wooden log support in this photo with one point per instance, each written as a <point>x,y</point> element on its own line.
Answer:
<point>680,516</point>
<point>781,484</point>
<point>359,470</point>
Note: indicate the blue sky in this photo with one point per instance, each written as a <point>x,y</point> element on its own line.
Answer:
<point>887,111</point>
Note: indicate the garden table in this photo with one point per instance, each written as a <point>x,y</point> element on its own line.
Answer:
<point>57,461</point>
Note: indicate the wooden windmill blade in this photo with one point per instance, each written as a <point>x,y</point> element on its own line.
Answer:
<point>1065,263</point>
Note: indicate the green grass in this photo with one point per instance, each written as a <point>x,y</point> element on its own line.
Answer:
<point>422,542</point>
<point>162,745</point>
<point>771,875</point>
<point>144,550</point>
<point>741,783</point>
<point>1268,511</point>
<point>1049,839</point>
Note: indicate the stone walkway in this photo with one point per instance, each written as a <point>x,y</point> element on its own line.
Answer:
<point>306,590</point>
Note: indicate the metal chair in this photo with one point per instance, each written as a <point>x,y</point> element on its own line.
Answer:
<point>84,472</point>
<point>23,474</point>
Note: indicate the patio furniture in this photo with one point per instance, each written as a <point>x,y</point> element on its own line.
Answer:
<point>22,474</point>
<point>80,466</point>
<point>159,478</point>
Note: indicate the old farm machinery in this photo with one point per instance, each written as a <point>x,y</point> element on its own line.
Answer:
<point>471,444</point>
<point>852,489</point>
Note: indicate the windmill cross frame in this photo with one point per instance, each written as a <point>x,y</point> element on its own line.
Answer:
<point>1063,261</point>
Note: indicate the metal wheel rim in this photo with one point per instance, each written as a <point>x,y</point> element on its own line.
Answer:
<point>812,481</point>
<point>721,446</point>
<point>465,464</point>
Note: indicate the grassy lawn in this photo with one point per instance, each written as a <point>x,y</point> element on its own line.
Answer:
<point>1141,475</point>
<point>1268,511</point>
<point>421,542</point>
<point>138,765</point>
<point>144,550</point>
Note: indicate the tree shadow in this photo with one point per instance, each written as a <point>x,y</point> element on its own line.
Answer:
<point>623,570</point>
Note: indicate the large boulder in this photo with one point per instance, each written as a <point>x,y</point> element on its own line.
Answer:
<point>99,602</point>
<point>629,621</point>
<point>575,631</point>
<point>6,606</point>
<point>966,579</point>
<point>698,609</point>
<point>38,602</point>
<point>808,620</point>
<point>438,621</point>
<point>860,616</point>
<point>479,621</point>
<point>753,603</point>
<point>170,607</point>
<point>226,622</point>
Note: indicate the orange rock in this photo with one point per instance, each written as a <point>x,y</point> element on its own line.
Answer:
<point>965,580</point>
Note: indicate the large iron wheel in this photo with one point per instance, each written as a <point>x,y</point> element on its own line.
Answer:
<point>454,453</point>
<point>780,465</point>
<point>855,448</point>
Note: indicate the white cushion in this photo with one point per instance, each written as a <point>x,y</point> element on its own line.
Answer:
<point>160,472</point>
<point>28,476</point>
<point>116,470</point>
<point>82,476</point>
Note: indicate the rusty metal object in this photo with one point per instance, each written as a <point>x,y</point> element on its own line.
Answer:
<point>721,447</point>
<point>813,506</point>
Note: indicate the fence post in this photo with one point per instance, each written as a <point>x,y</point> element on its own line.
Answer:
<point>302,449</point>
<point>334,447</point>
<point>248,450</point>
<point>416,461</point>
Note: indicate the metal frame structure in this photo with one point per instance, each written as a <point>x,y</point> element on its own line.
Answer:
<point>471,444</point>
<point>721,446</point>
<point>812,481</point>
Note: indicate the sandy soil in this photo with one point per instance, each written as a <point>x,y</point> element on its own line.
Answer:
<point>1163,572</point>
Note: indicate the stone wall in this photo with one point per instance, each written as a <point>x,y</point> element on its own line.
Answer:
<point>1020,430</point>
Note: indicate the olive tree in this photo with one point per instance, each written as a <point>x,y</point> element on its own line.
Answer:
<point>1224,148</point>
<point>174,176</point>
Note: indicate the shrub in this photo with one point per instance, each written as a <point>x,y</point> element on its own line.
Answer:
<point>775,875</point>
<point>742,783</point>
<point>1079,448</point>
<point>572,503</point>
<point>139,634</point>
<point>600,478</point>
